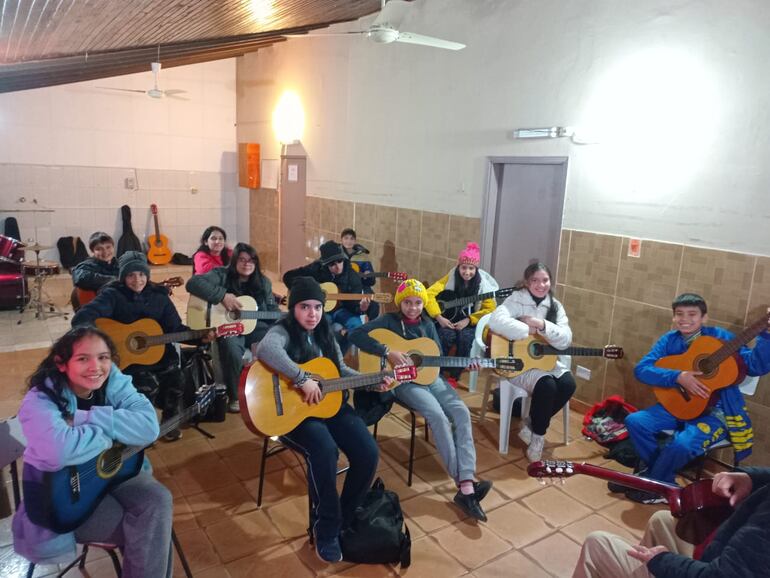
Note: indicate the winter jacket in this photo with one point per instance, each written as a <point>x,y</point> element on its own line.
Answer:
<point>347,282</point>
<point>204,262</point>
<point>392,321</point>
<point>478,309</point>
<point>52,443</point>
<point>93,273</point>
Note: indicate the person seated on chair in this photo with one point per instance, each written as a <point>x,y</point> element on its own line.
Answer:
<point>352,248</point>
<point>78,405</point>
<point>440,405</point>
<point>334,266</point>
<point>465,279</point>
<point>213,251</point>
<point>131,298</point>
<point>299,337</point>
<point>738,548</point>
<point>726,416</point>
<point>242,277</point>
<point>532,310</point>
<point>99,269</point>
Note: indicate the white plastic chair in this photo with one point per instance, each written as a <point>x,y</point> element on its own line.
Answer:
<point>478,349</point>
<point>506,406</point>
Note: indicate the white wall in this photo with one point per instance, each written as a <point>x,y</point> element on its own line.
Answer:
<point>71,147</point>
<point>675,91</point>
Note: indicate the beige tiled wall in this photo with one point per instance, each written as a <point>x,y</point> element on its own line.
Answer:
<point>613,298</point>
<point>421,243</point>
<point>264,231</point>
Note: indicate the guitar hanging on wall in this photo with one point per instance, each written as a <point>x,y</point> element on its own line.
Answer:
<point>158,252</point>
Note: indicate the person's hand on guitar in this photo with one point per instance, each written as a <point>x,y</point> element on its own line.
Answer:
<point>534,323</point>
<point>689,381</point>
<point>734,485</point>
<point>387,383</point>
<point>462,324</point>
<point>209,337</point>
<point>474,365</point>
<point>645,554</point>
<point>311,392</point>
<point>444,322</point>
<point>231,303</point>
<point>399,358</point>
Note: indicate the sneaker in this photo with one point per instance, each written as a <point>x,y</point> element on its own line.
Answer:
<point>535,449</point>
<point>234,407</point>
<point>643,497</point>
<point>470,505</point>
<point>481,489</point>
<point>525,433</point>
<point>328,549</point>
<point>452,381</point>
<point>173,435</point>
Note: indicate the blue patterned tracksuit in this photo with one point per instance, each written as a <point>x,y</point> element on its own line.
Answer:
<point>727,417</point>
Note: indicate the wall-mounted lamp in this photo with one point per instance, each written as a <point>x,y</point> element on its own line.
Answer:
<point>289,118</point>
<point>545,132</point>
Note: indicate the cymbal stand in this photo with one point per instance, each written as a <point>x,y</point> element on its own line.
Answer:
<point>39,298</point>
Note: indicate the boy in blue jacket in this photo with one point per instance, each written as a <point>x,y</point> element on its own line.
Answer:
<point>726,416</point>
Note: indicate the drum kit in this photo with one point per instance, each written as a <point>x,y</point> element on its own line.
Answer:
<point>12,260</point>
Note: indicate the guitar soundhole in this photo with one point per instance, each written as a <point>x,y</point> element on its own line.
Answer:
<point>233,315</point>
<point>416,358</point>
<point>703,365</point>
<point>109,462</point>
<point>536,350</point>
<point>137,343</point>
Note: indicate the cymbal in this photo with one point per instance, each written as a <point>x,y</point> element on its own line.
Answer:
<point>37,247</point>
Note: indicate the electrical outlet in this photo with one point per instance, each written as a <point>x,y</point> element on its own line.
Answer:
<point>583,372</point>
<point>130,183</point>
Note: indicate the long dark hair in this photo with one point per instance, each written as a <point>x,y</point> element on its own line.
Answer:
<point>533,268</point>
<point>254,282</point>
<point>299,349</point>
<point>224,255</point>
<point>60,353</point>
<point>472,288</point>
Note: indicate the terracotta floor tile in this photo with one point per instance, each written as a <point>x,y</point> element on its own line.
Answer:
<point>101,568</point>
<point>494,499</point>
<point>390,427</point>
<point>516,524</point>
<point>576,451</point>
<point>203,476</point>
<point>398,448</point>
<point>243,535</point>
<point>580,529</point>
<point>215,572</point>
<point>630,515</point>
<point>236,441</point>
<point>557,553</point>
<point>488,458</point>
<point>185,452</point>
<point>214,505</point>
<point>512,565</point>
<point>429,560</point>
<point>184,519</point>
<point>512,481</point>
<point>276,562</point>
<point>281,485</point>
<point>245,465</point>
<point>307,555</point>
<point>290,517</point>
<point>395,479</point>
<point>431,469</point>
<point>430,511</point>
<point>592,492</point>
<point>198,550</point>
<point>470,543</point>
<point>368,571</point>
<point>555,507</point>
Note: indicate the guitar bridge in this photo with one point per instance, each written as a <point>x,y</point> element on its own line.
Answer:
<point>74,485</point>
<point>277,395</point>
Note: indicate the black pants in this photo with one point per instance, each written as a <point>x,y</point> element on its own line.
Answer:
<point>549,396</point>
<point>163,386</point>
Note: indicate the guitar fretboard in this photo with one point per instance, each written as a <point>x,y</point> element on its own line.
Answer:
<point>732,346</point>
<point>256,314</point>
<point>461,301</point>
<point>576,351</point>
<point>167,426</point>
<point>353,382</point>
<point>444,361</point>
<point>149,340</point>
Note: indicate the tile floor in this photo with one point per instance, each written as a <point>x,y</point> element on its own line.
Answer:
<point>533,530</point>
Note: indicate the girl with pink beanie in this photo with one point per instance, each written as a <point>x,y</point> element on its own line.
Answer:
<point>465,279</point>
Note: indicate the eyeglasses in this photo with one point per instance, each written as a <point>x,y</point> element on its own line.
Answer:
<point>245,261</point>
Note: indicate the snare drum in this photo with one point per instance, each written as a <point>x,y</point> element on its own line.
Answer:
<point>44,268</point>
<point>8,246</point>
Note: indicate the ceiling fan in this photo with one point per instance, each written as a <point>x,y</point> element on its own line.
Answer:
<point>155,91</point>
<point>385,29</point>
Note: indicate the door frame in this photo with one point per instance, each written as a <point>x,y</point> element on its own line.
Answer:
<point>491,201</point>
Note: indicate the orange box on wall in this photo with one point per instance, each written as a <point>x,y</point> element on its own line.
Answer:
<point>248,165</point>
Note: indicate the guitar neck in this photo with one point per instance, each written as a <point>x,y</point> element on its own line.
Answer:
<point>670,491</point>
<point>175,337</point>
<point>157,228</point>
<point>259,314</point>
<point>167,426</point>
<point>353,382</point>
<point>461,301</point>
<point>447,361</point>
<point>377,274</point>
<point>732,346</point>
<point>347,296</point>
<point>577,351</point>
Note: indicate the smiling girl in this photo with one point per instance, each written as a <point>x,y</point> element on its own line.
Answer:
<point>77,406</point>
<point>533,311</point>
<point>213,251</point>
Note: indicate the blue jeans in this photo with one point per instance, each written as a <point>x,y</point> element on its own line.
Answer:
<point>344,318</point>
<point>463,339</point>
<point>320,440</point>
<point>449,419</point>
<point>690,439</point>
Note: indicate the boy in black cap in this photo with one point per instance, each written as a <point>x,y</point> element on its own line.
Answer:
<point>333,266</point>
<point>131,298</point>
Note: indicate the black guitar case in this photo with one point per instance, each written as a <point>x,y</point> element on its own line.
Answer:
<point>128,240</point>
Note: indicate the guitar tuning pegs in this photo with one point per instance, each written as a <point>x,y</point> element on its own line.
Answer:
<point>548,469</point>
<point>570,470</point>
<point>559,470</point>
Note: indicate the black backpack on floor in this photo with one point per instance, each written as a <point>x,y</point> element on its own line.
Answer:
<point>377,534</point>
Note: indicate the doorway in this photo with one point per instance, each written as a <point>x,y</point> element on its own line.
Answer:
<point>522,217</point>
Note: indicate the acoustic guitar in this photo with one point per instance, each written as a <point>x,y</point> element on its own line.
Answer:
<point>202,314</point>
<point>720,363</point>
<point>272,406</point>
<point>158,252</point>
<point>80,297</point>
<point>426,356</point>
<point>453,307</point>
<point>332,296</point>
<point>536,353</point>
<point>62,500</point>
<point>698,509</point>
<point>143,342</point>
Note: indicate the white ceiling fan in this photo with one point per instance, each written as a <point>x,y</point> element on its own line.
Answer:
<point>385,29</point>
<point>155,91</point>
